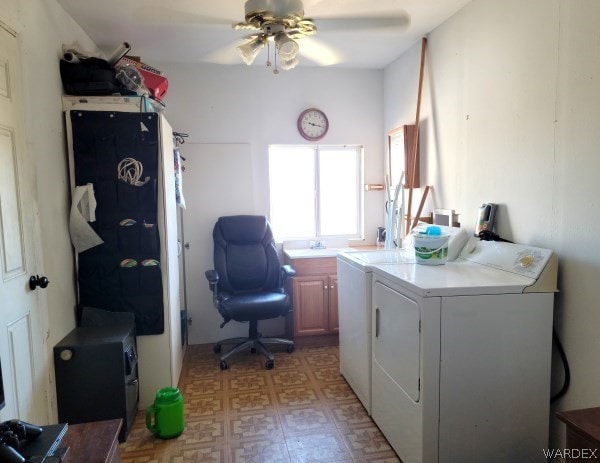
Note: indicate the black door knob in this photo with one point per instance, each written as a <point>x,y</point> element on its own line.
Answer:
<point>36,280</point>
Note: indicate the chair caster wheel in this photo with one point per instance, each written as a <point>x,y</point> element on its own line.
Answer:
<point>291,348</point>
<point>223,365</point>
<point>253,351</point>
<point>217,348</point>
<point>269,364</point>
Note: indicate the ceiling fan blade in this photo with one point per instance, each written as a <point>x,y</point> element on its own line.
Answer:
<point>319,52</point>
<point>245,27</point>
<point>399,23</point>
<point>226,54</point>
<point>252,36</point>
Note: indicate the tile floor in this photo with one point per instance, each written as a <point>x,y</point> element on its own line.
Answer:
<point>301,411</point>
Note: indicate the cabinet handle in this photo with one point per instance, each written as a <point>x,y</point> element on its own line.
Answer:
<point>325,287</point>
<point>376,322</point>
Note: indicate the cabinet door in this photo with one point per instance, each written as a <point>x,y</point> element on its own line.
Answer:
<point>310,305</point>
<point>334,324</point>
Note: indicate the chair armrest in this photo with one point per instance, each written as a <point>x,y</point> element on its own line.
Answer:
<point>213,279</point>
<point>288,271</point>
<point>212,276</point>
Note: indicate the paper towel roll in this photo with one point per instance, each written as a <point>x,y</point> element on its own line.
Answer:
<point>83,209</point>
<point>119,52</point>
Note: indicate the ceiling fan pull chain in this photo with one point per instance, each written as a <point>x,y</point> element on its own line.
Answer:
<point>275,71</point>
<point>269,54</point>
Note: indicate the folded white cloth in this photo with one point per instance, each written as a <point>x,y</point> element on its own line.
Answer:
<point>83,210</point>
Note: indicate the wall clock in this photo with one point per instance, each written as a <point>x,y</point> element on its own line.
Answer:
<point>313,124</point>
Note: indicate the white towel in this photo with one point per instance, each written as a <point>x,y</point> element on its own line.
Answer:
<point>83,210</point>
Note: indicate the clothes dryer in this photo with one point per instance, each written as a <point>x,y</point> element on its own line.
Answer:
<point>461,355</point>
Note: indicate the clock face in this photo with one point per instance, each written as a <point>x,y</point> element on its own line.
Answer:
<point>313,124</point>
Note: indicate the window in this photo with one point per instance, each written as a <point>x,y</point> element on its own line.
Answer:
<point>315,191</point>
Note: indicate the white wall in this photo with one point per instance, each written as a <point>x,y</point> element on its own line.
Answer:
<point>241,104</point>
<point>511,115</point>
<point>43,27</point>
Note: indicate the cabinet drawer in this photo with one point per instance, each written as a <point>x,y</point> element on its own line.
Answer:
<point>316,266</point>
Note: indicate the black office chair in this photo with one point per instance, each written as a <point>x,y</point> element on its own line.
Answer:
<point>248,282</point>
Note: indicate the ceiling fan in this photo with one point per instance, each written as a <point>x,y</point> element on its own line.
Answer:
<point>282,23</point>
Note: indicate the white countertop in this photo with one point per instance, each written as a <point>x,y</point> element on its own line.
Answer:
<point>314,253</point>
<point>457,278</point>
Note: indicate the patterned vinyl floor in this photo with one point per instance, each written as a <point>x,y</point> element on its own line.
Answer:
<point>302,411</point>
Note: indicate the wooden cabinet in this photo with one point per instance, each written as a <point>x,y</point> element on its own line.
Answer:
<point>315,305</point>
<point>315,309</point>
<point>583,434</point>
<point>94,442</point>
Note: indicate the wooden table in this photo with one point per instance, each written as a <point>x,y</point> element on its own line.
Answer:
<point>583,433</point>
<point>95,442</point>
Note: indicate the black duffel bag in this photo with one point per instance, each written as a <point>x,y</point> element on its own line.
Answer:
<point>90,76</point>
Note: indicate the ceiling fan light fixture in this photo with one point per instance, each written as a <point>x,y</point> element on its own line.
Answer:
<point>249,50</point>
<point>286,47</point>
<point>279,21</point>
<point>286,65</point>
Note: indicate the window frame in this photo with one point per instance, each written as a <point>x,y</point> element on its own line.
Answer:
<point>317,148</point>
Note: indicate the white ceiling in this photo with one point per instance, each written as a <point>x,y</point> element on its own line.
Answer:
<point>199,31</point>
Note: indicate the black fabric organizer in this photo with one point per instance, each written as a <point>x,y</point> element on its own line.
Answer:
<point>126,216</point>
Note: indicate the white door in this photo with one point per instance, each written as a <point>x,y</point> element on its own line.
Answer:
<point>22,352</point>
<point>218,181</point>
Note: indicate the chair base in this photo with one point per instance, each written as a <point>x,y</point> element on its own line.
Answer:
<point>255,342</point>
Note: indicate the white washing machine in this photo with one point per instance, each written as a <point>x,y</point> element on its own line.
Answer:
<point>354,309</point>
<point>461,355</point>
<point>354,271</point>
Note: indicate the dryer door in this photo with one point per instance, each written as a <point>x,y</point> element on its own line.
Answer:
<point>396,338</point>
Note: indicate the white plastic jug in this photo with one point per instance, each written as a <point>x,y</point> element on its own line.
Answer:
<point>431,246</point>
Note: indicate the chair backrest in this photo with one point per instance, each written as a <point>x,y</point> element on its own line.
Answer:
<point>245,255</point>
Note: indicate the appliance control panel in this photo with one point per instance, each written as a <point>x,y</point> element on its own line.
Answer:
<point>515,258</point>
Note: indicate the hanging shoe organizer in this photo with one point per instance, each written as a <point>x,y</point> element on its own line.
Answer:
<point>118,152</point>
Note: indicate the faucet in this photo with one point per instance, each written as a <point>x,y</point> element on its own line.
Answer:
<point>317,245</point>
